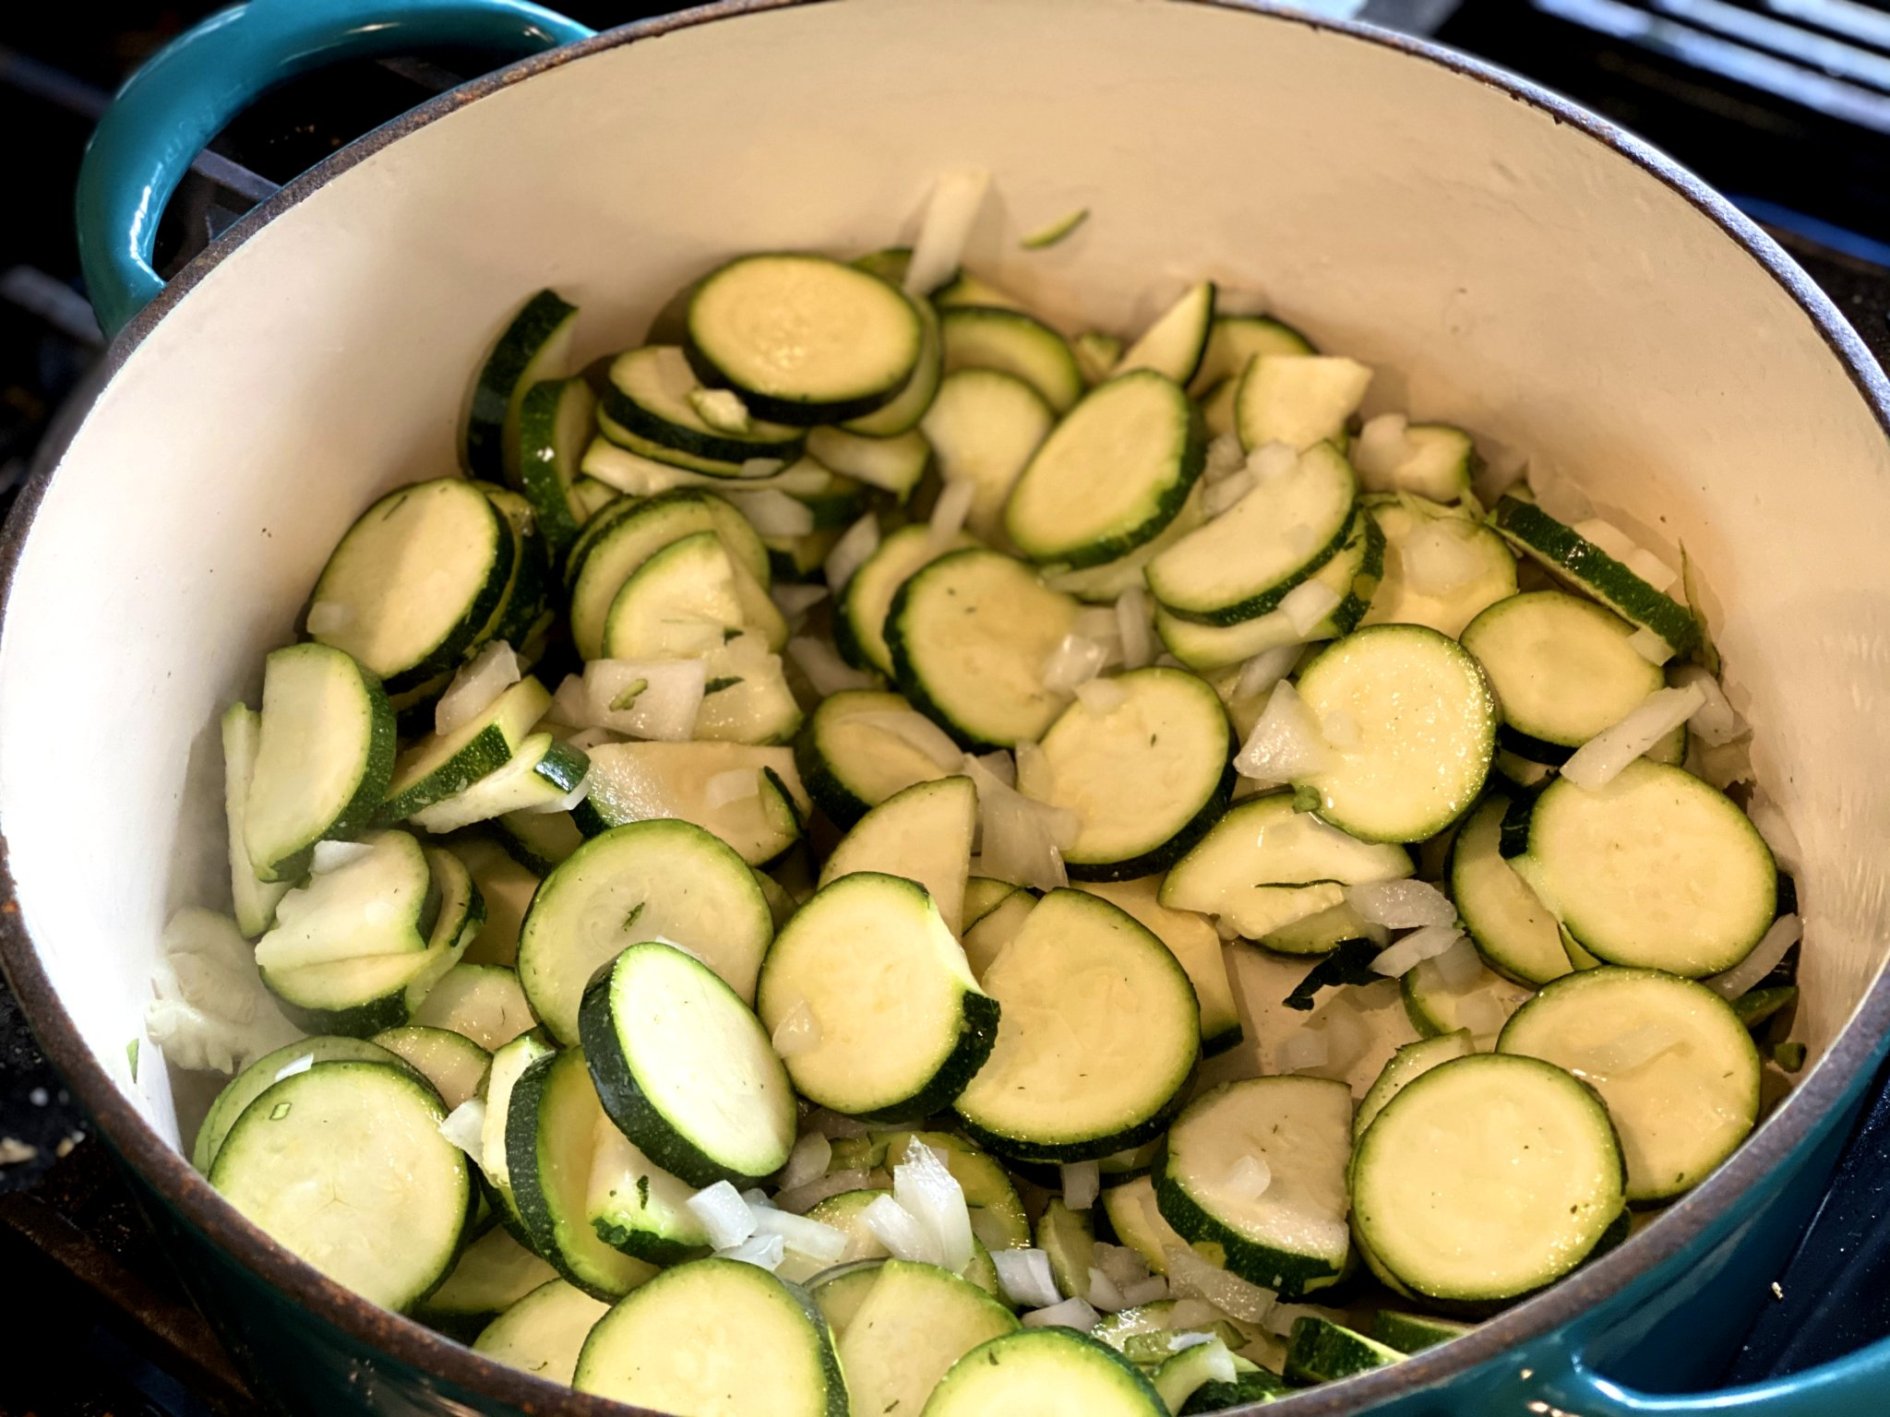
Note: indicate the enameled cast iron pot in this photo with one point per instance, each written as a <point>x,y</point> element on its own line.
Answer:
<point>1507,261</point>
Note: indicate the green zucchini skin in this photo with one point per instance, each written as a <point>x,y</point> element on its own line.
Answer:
<point>1561,548</point>
<point>541,318</point>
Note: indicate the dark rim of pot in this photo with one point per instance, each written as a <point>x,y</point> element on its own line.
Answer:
<point>165,1168</point>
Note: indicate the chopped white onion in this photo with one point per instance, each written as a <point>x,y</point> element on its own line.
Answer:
<point>299,1065</point>
<point>1225,457</point>
<point>1769,821</point>
<point>1380,450</point>
<point>794,601</point>
<point>1459,966</point>
<point>798,1032</point>
<point>1285,743</point>
<point>849,553</point>
<point>465,1126</point>
<point>1348,1035</point>
<point>929,1192</point>
<point>1101,696</point>
<point>1019,838</point>
<point>948,514</point>
<point>1259,674</point>
<point>997,763</point>
<point>1122,1264</point>
<point>735,785</point>
<point>774,513</point>
<point>326,617</point>
<point>490,673</point>
<point>1437,558</point>
<point>1071,1313</point>
<point>1026,1278</point>
<point>653,699</point>
<point>1103,1293</point>
<point>1144,1291</point>
<point>761,1251</point>
<point>835,1124</point>
<point>1302,1049</point>
<point>1191,1276</point>
<point>951,211</point>
<point>1603,758</point>
<point>1134,625</point>
<point>1248,1178</point>
<point>1715,722</point>
<point>824,668</point>
<point>726,1217</point>
<point>1271,461</point>
<point>1082,1183</point>
<point>807,1162</point>
<point>916,731</point>
<point>1307,604</point>
<point>1413,949</point>
<point>1773,946</point>
<point>899,1230</point>
<point>333,855</point>
<point>822,1243</point>
<point>1628,1051</point>
<point>1192,1311</point>
<point>1402,905</point>
<point>1224,493</point>
<point>1650,646</point>
<point>1625,549</point>
<point>1073,662</point>
<point>803,1198</point>
<point>593,737</point>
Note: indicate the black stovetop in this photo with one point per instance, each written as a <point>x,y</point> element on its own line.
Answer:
<point>1793,121</point>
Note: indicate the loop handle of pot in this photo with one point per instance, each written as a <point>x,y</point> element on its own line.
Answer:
<point>173,106</point>
<point>1856,1385</point>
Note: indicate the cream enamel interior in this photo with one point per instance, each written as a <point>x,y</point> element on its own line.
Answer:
<point>1499,267</point>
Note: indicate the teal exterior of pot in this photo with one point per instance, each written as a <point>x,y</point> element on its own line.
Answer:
<point>1659,1317</point>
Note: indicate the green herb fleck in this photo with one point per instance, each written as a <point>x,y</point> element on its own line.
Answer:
<point>131,1057</point>
<point>635,911</point>
<point>1060,229</point>
<point>627,700</point>
<point>643,1192</point>
<point>730,633</point>
<point>715,686</point>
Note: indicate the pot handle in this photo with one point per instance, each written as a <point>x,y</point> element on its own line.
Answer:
<point>1852,1386</point>
<point>185,94</point>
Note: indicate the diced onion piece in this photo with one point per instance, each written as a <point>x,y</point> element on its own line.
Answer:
<point>1101,696</point>
<point>1348,1036</point>
<point>1303,1049</point>
<point>1629,552</point>
<point>1073,662</point>
<point>465,1126</point>
<point>1122,1264</point>
<point>1222,494</point>
<point>795,601</point>
<point>849,553</point>
<point>211,1009</point>
<point>1248,1178</point>
<point>798,1032</point>
<point>1018,836</point>
<point>929,1192</point>
<point>1271,461</point>
<point>803,1198</point>
<point>1777,833</point>
<point>1225,457</point>
<point>997,763</point>
<point>1380,450</point>
<point>899,1231</point>
<point>1191,1311</point>
<point>1259,674</point>
<point>1190,1275</point>
<point>726,1217</point>
<point>948,514</point>
<point>950,213</point>
<point>1458,967</point>
<point>652,699</point>
<point>807,1162</point>
<point>1103,1293</point>
<point>296,1066</point>
<point>835,1124</point>
<point>1026,1278</point>
<point>761,1251</point>
<point>490,673</point>
<point>1144,1291</point>
<point>824,668</point>
<point>735,785</point>
<point>1285,744</point>
<point>1650,646</point>
<point>1603,758</point>
<point>1071,1313</point>
<point>327,617</point>
<point>773,513</point>
<point>761,467</point>
<point>1414,948</point>
<point>1715,722</point>
<point>822,1243</point>
<point>916,731</point>
<point>1135,627</point>
<point>1437,558</point>
<point>1308,603</point>
<point>1628,1051</point>
<point>1082,1183</point>
<point>1772,948</point>
<point>333,855</point>
<point>1402,905</point>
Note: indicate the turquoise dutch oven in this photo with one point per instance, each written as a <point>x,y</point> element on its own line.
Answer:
<point>1511,262</point>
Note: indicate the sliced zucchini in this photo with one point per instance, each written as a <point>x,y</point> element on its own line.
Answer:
<point>656,879</point>
<point>1096,354</point>
<point>265,1073</point>
<point>860,625</point>
<point>493,1273</point>
<point>1321,1351</point>
<point>1195,944</point>
<point>984,427</point>
<point>345,1129</point>
<point>1174,345</point>
<point>539,777</point>
<point>987,939</point>
<point>838,1292</point>
<point>627,474</point>
<point>1292,1237</point>
<point>1591,570</point>
<point>509,1062</point>
<point>543,1332</point>
<point>1146,780</point>
<point>453,1063</point>
<point>969,635</point>
<point>1015,343</point>
<point>853,757</point>
<point>915,1322</point>
<point>1352,575</point>
<point>1104,584</point>
<point>968,288</point>
<point>415,580</point>
<point>1244,561</point>
<point>535,346</point>
<point>538,840</point>
<point>1233,343</point>
<point>984,894</point>
<point>481,1002</point>
<point>555,420</point>
<point>1625,870</point>
<point>552,1123</point>
<point>1298,399</point>
<point>715,1336</point>
<point>1512,928</point>
<point>922,834</point>
<point>894,464</point>
<point>750,701</point>
<point>1049,1372</point>
<point>1069,1241</point>
<point>443,764</point>
<point>1438,1003</point>
<point>1321,932</point>
<point>679,604</point>
<point>1425,725</point>
<point>640,1208</point>
<point>1406,1066</point>
<point>1138,1223</point>
<point>1097,1040</point>
<point>1670,1058</point>
<point>589,497</point>
<point>253,899</point>
<point>1486,1179</point>
<point>1110,476</point>
<point>803,339</point>
<point>904,412</point>
<point>864,939</point>
<point>1432,460</point>
<point>685,1070</point>
<point>652,392</point>
<point>1252,1384</point>
<point>324,752</point>
<point>703,783</point>
<point>1473,569</point>
<point>1264,866</point>
<point>1562,668</point>
<point>1413,1333</point>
